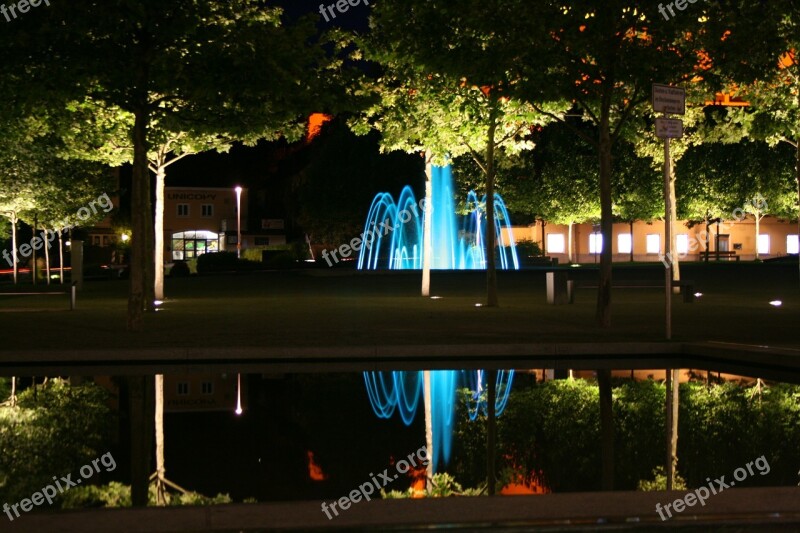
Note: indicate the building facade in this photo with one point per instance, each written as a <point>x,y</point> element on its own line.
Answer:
<point>200,220</point>
<point>642,241</point>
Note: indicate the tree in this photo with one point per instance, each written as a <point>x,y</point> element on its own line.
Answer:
<point>456,95</point>
<point>562,180</point>
<point>638,195</point>
<point>767,76</point>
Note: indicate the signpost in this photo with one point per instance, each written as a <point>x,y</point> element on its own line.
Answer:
<point>668,100</point>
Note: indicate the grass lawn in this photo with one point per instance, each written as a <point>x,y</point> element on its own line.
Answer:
<point>344,308</point>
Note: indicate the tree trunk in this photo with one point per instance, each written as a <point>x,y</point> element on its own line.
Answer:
<point>797,172</point>
<point>491,430</point>
<point>606,429</point>
<point>631,226</point>
<point>14,245</point>
<point>570,241</point>
<point>158,264</point>
<point>673,216</point>
<point>758,218</point>
<point>427,400</point>
<point>708,236</point>
<point>61,257</point>
<point>161,496</point>
<point>33,255</point>
<point>491,238</point>
<point>603,314</point>
<point>544,241</point>
<point>139,215</point>
<point>673,388</point>
<point>140,394</point>
<point>427,229</point>
<point>46,247</point>
<point>149,233</point>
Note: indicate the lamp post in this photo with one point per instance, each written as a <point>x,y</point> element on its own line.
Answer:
<point>238,222</point>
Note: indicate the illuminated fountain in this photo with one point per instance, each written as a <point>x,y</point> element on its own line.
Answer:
<point>401,391</point>
<point>393,233</point>
<point>393,237</point>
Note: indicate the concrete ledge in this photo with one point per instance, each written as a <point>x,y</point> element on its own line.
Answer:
<point>762,506</point>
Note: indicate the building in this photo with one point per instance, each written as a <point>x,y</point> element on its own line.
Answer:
<point>643,241</point>
<point>199,220</point>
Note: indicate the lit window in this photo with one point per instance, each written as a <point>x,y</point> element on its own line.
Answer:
<point>183,388</point>
<point>207,210</point>
<point>183,210</point>
<point>207,387</point>
<point>653,243</point>
<point>763,244</point>
<point>555,243</point>
<point>792,244</point>
<point>624,243</point>
<point>683,243</point>
<point>595,243</point>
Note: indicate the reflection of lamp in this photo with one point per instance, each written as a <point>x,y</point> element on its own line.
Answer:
<point>238,394</point>
<point>238,221</point>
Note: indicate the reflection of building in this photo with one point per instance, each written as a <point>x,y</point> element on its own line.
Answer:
<point>201,392</point>
<point>199,220</point>
<point>645,241</point>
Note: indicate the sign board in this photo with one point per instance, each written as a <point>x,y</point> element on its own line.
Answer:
<point>668,99</point>
<point>669,128</point>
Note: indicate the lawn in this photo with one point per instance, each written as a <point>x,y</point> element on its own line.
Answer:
<point>323,307</point>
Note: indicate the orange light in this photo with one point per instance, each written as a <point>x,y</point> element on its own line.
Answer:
<point>315,123</point>
<point>314,470</point>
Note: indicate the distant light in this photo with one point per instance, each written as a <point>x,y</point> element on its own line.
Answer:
<point>575,265</point>
<point>158,302</point>
<point>776,303</point>
<point>125,237</point>
<point>68,243</point>
<point>238,395</point>
<point>436,297</point>
<point>478,305</point>
<point>698,294</point>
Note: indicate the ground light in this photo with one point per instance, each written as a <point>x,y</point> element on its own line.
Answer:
<point>776,303</point>
<point>698,294</point>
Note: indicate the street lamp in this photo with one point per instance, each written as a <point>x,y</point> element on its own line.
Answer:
<point>238,222</point>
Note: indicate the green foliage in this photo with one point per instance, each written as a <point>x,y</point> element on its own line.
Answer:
<point>549,433</point>
<point>552,430</point>
<point>659,481</point>
<point>117,494</point>
<point>179,270</point>
<point>54,430</point>
<point>638,430</point>
<point>223,262</point>
<point>443,485</point>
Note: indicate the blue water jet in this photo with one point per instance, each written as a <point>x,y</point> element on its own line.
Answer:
<point>393,233</point>
<point>401,391</point>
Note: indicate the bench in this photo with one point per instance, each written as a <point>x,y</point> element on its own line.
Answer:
<point>71,293</point>
<point>561,289</point>
<point>727,254</point>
